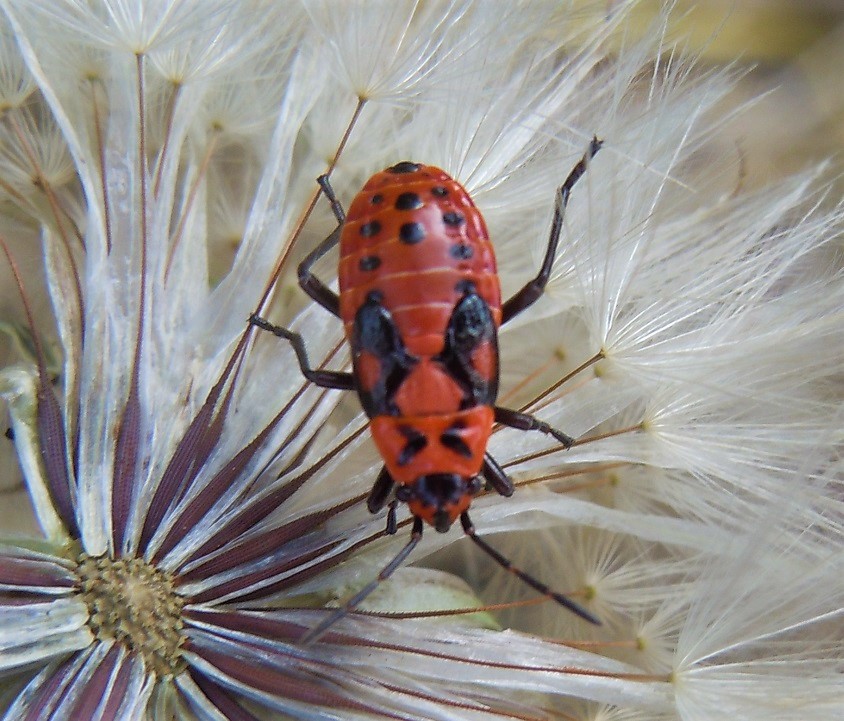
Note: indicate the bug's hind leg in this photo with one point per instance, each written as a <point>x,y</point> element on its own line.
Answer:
<point>323,378</point>
<point>350,605</point>
<point>533,289</point>
<point>536,584</point>
<point>312,285</point>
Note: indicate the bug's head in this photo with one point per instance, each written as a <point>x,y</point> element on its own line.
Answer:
<point>439,498</point>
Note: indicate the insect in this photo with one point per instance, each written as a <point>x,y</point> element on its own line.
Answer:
<point>421,306</point>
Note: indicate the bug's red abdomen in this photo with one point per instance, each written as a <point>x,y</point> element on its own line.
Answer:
<point>414,235</point>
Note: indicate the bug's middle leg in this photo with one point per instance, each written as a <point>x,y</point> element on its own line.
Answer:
<point>527,422</point>
<point>323,378</point>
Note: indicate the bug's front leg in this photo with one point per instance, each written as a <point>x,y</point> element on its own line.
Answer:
<point>497,477</point>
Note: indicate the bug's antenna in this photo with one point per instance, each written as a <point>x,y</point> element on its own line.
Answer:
<point>469,529</point>
<point>350,605</point>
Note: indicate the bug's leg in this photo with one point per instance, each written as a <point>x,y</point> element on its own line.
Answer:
<point>533,289</point>
<point>534,583</point>
<point>392,524</point>
<point>312,285</point>
<point>380,491</point>
<point>496,476</point>
<point>378,496</point>
<point>325,379</point>
<point>526,422</point>
<point>336,208</point>
<point>354,601</point>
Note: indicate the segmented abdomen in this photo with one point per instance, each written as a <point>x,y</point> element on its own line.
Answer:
<point>414,236</point>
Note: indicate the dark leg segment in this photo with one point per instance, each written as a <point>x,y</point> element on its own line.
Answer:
<point>380,491</point>
<point>312,285</point>
<point>496,476</point>
<point>505,563</point>
<point>324,379</point>
<point>325,184</point>
<point>378,496</point>
<point>354,601</point>
<point>392,524</point>
<point>532,290</point>
<point>526,422</point>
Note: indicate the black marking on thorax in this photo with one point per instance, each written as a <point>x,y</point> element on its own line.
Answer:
<point>471,325</point>
<point>452,439</point>
<point>416,441</point>
<point>375,332</point>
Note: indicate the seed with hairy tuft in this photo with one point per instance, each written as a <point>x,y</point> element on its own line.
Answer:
<point>133,603</point>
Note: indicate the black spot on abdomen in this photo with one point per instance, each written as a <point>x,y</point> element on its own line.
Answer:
<point>461,251</point>
<point>408,201</point>
<point>412,233</point>
<point>369,262</point>
<point>367,230</point>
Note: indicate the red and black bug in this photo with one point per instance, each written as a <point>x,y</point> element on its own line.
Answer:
<point>421,306</point>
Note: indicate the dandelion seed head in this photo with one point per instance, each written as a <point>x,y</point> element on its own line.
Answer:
<point>16,84</point>
<point>35,153</point>
<point>135,604</point>
<point>379,51</point>
<point>126,26</point>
